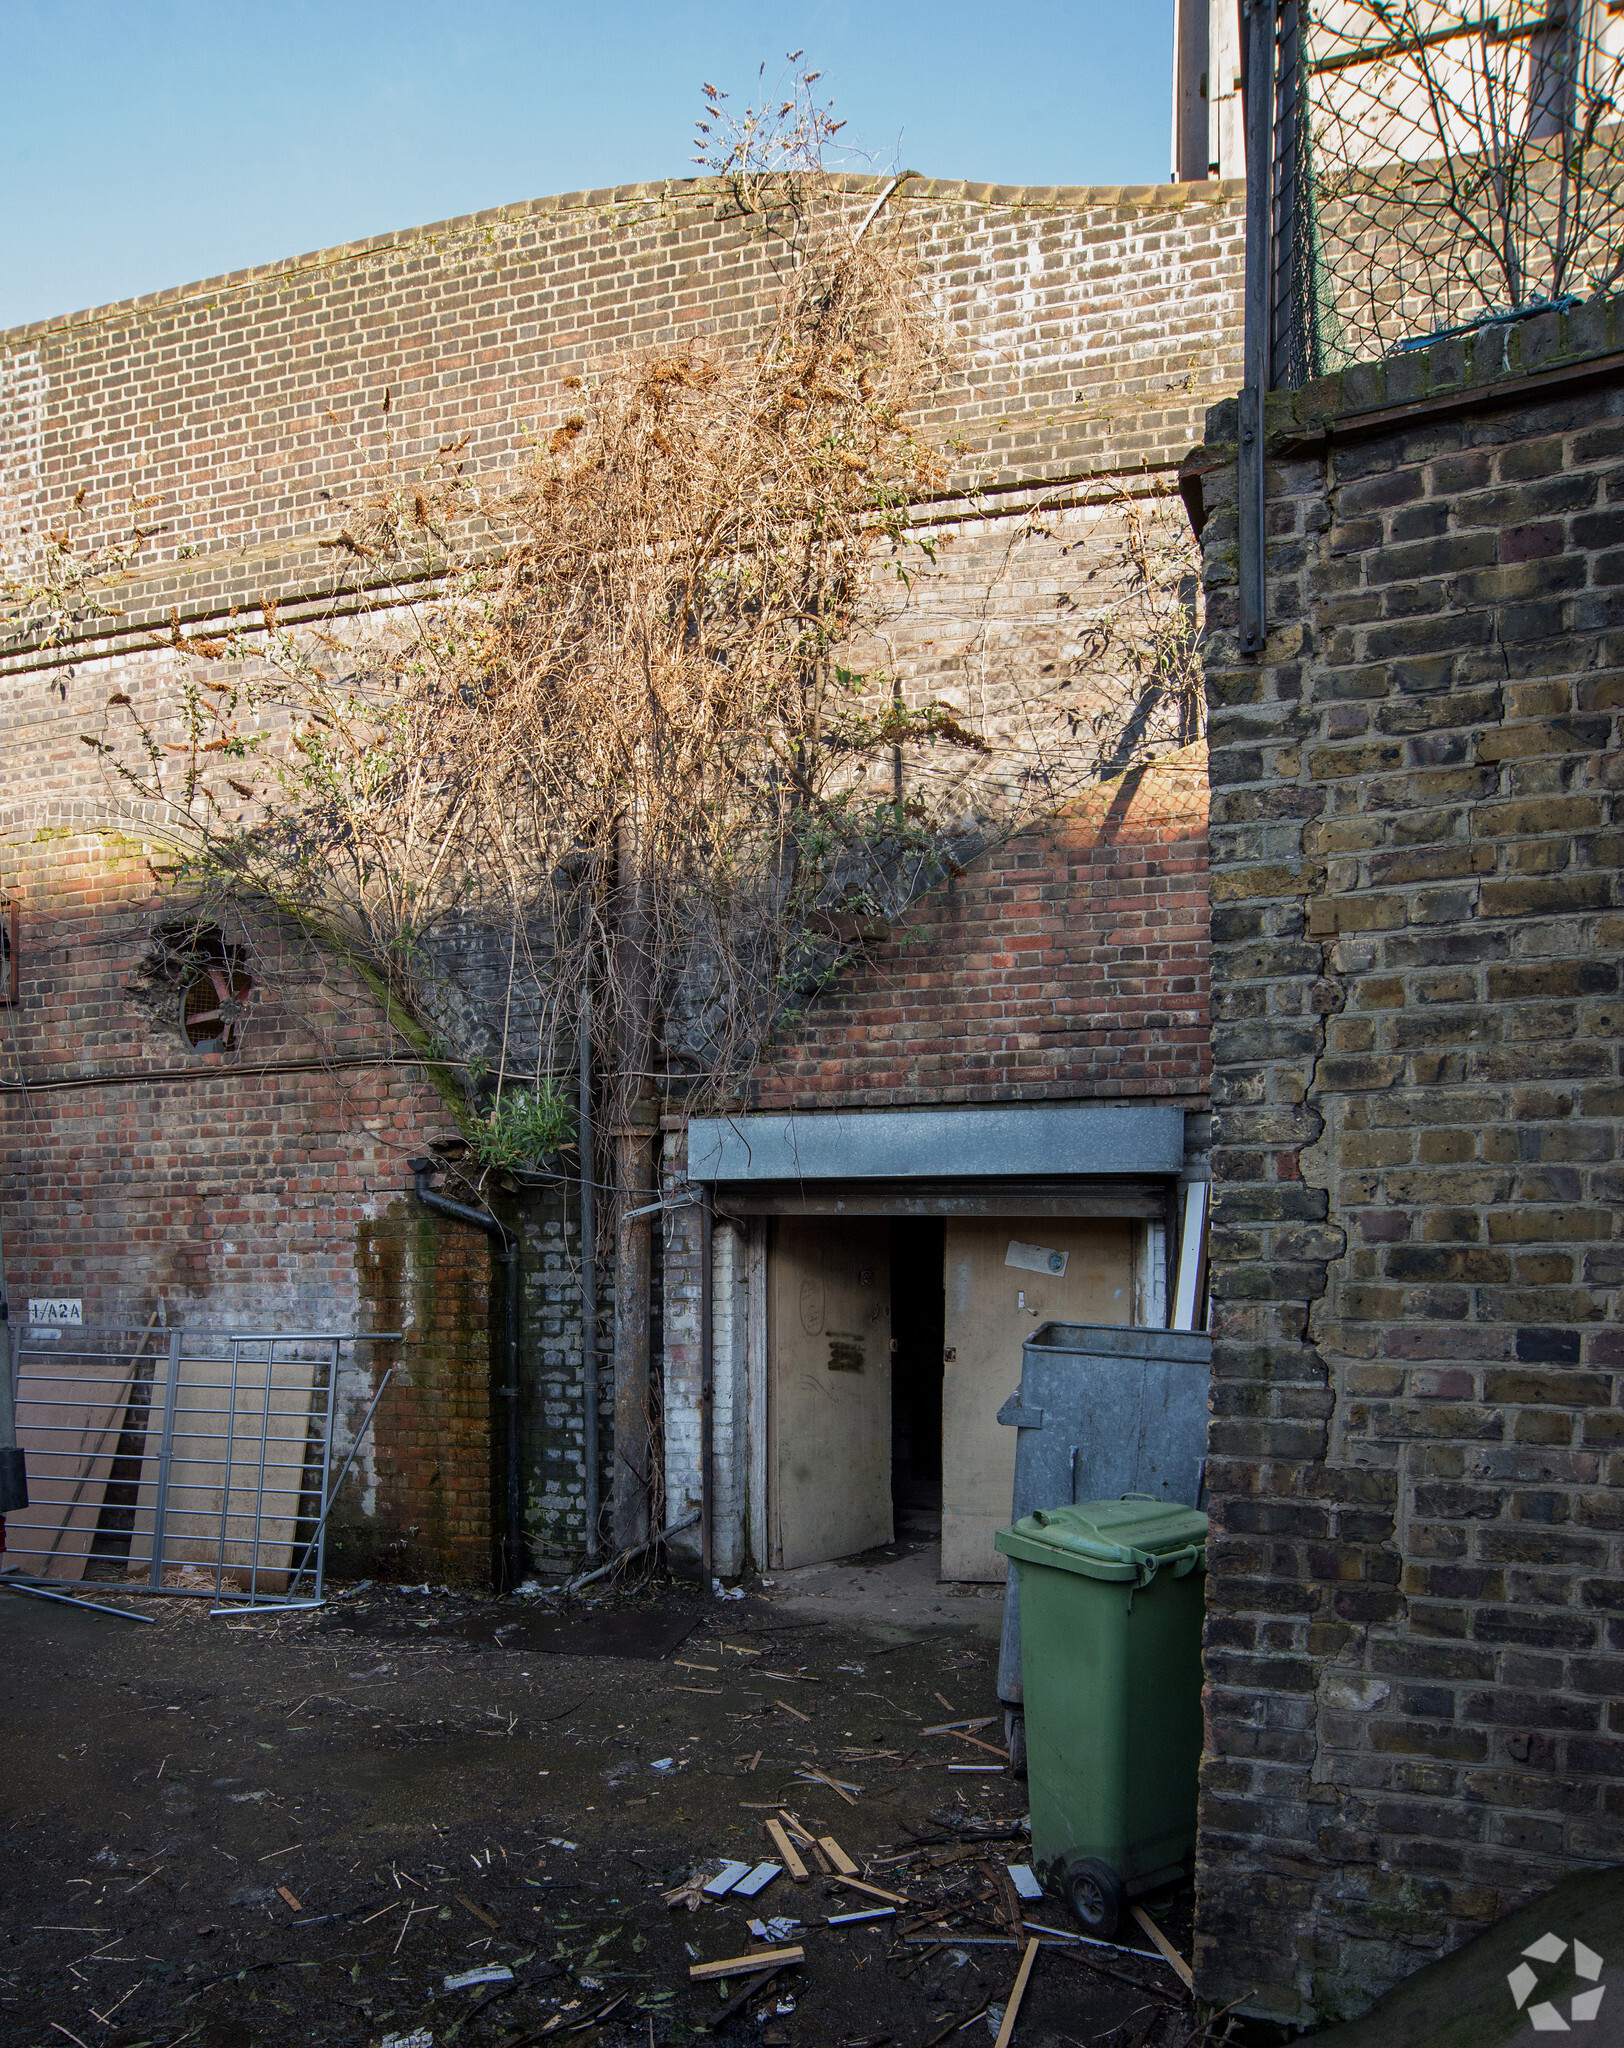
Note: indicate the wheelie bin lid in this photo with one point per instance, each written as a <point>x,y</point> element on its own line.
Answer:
<point>1131,1538</point>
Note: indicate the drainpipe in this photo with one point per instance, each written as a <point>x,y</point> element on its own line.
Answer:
<point>589,1281</point>
<point>13,1475</point>
<point>707,1383</point>
<point>505,1251</point>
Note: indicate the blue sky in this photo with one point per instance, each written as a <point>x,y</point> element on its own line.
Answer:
<point>151,142</point>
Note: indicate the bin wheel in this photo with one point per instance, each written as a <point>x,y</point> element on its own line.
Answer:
<point>1096,1894</point>
<point>1015,1741</point>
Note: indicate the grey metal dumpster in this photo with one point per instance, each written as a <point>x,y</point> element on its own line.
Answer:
<point>1101,1411</point>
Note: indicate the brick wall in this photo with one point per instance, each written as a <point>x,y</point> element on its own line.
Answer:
<point>1069,961</point>
<point>260,1188</point>
<point>235,411</point>
<point>230,419</point>
<point>1415,1648</point>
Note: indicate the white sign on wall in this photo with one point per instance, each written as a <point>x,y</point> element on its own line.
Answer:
<point>55,1312</point>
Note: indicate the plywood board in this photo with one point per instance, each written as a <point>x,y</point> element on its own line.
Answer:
<point>216,1441</point>
<point>986,1325</point>
<point>70,1411</point>
<point>829,1388</point>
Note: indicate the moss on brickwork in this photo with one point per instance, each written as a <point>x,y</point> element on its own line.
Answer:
<point>420,1504</point>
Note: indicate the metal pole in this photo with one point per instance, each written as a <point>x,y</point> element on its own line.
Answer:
<point>1292,350</point>
<point>327,1465</point>
<point>1257,86</point>
<point>330,1495</point>
<point>225,1489</point>
<point>589,1281</point>
<point>73,1600</point>
<point>160,1512</point>
<point>264,1449</point>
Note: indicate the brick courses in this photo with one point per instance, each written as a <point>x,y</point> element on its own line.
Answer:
<point>1069,962</point>
<point>1092,323</point>
<point>258,1188</point>
<point>231,417</point>
<point>1414,1648</point>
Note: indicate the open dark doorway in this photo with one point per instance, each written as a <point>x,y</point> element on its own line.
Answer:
<point>917,1245</point>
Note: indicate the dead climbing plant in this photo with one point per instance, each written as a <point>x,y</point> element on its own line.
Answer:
<point>609,716</point>
<point>621,731</point>
<point>767,152</point>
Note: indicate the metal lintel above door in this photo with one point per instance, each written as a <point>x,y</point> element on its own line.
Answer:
<point>1055,1141</point>
<point>1083,1197</point>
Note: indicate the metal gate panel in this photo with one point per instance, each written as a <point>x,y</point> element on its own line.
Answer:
<point>185,1462</point>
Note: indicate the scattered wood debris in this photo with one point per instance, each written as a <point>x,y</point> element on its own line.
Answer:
<point>756,1959</point>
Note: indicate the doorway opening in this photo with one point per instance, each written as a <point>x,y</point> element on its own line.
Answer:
<point>918,1309</point>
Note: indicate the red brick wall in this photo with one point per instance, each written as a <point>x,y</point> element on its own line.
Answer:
<point>1069,962</point>
<point>428,1510</point>
<point>256,1189</point>
<point>237,411</point>
<point>232,417</point>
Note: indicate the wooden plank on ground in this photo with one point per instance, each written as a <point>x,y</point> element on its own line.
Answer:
<point>736,1966</point>
<point>856,1884</point>
<point>1018,1992</point>
<point>787,1852</point>
<point>1164,1945</point>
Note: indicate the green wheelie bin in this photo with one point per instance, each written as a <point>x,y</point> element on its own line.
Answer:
<point>1111,1606</point>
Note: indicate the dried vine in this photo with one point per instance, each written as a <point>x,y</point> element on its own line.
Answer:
<point>626,722</point>
<point>622,731</point>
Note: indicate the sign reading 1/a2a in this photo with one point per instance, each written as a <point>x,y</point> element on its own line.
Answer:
<point>55,1312</point>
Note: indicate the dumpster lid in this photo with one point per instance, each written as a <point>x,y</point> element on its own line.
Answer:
<point>1130,1538</point>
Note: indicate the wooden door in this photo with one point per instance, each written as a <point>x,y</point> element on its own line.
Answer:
<point>991,1264</point>
<point>829,1379</point>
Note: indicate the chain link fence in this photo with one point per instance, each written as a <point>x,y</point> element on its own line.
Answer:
<point>1437,167</point>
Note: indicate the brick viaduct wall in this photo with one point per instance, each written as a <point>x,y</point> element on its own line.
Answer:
<point>231,421</point>
<point>1068,962</point>
<point>237,413</point>
<point>258,1188</point>
<point>1415,1647</point>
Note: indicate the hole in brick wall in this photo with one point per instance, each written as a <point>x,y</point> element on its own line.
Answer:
<point>192,978</point>
<point>211,1006</point>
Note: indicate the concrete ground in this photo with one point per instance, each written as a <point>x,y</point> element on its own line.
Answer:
<point>894,1588</point>
<point>248,1833</point>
